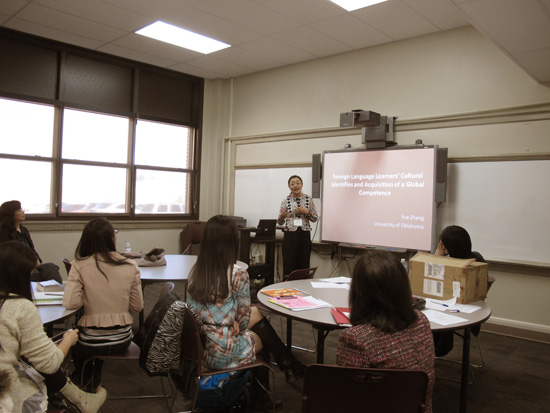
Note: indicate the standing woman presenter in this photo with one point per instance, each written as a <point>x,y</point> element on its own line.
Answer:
<point>296,212</point>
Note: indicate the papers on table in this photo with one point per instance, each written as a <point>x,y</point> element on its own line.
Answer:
<point>42,298</point>
<point>450,306</point>
<point>336,282</point>
<point>285,292</point>
<point>298,303</point>
<point>442,318</point>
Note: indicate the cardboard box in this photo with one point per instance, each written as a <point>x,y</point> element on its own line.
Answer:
<point>444,278</point>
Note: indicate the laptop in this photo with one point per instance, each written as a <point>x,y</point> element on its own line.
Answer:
<point>266,229</point>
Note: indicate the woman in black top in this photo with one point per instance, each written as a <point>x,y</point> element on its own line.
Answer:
<point>11,229</point>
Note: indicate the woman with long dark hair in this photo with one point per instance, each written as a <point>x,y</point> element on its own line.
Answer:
<point>22,336</point>
<point>108,286</point>
<point>219,292</point>
<point>12,217</point>
<point>387,332</point>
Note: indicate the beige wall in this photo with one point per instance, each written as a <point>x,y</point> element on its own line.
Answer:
<point>454,89</point>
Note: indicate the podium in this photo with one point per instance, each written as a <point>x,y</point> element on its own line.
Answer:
<point>265,270</point>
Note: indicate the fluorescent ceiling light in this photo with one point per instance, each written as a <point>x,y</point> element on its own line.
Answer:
<point>183,38</point>
<point>351,5</point>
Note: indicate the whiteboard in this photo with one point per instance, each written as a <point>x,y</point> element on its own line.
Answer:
<point>259,192</point>
<point>504,205</point>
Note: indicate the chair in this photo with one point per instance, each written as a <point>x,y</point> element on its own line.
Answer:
<point>133,354</point>
<point>476,330</point>
<point>191,237</point>
<point>67,264</point>
<point>192,352</point>
<point>303,274</point>
<point>350,389</point>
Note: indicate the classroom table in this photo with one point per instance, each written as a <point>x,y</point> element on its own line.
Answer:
<point>322,320</point>
<point>52,313</point>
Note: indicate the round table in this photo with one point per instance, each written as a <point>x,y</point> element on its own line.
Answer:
<point>322,320</point>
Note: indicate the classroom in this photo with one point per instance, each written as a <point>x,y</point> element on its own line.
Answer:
<point>451,87</point>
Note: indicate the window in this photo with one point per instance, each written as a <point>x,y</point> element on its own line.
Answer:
<point>107,164</point>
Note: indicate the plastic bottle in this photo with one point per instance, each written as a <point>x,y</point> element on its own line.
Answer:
<point>128,247</point>
<point>404,262</point>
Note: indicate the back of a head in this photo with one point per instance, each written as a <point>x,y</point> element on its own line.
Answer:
<point>380,293</point>
<point>218,252</point>
<point>457,241</point>
<point>7,213</point>
<point>17,261</point>
<point>97,238</point>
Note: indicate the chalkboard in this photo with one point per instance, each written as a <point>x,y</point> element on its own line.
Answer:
<point>502,204</point>
<point>259,192</point>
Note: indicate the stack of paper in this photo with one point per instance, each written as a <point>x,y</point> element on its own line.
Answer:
<point>299,303</point>
<point>42,298</point>
<point>49,286</point>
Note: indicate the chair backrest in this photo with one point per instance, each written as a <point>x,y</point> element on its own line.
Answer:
<point>191,237</point>
<point>303,274</point>
<point>191,344</point>
<point>67,264</point>
<point>334,388</point>
<point>148,330</point>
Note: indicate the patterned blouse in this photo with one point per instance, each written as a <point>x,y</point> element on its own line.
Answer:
<point>224,349</point>
<point>289,203</point>
<point>411,349</point>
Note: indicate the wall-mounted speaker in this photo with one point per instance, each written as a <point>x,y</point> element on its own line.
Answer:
<point>316,175</point>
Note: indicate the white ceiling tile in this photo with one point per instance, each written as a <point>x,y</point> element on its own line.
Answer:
<point>212,26</point>
<point>135,55</point>
<point>68,23</point>
<point>536,62</point>
<point>13,6</point>
<point>442,13</point>
<point>214,65</point>
<point>155,48</point>
<point>395,19</point>
<point>516,26</point>
<point>247,14</point>
<point>155,9</point>
<point>51,33</point>
<point>312,41</point>
<point>246,58</point>
<point>351,31</point>
<point>100,12</point>
<point>304,11</point>
<point>276,50</point>
<point>197,71</point>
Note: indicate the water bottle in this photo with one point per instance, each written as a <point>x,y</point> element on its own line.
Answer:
<point>128,247</point>
<point>404,262</point>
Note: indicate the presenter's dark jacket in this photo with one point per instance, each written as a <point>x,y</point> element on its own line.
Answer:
<point>24,236</point>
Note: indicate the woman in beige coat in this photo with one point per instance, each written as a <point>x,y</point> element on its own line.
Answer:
<point>108,287</point>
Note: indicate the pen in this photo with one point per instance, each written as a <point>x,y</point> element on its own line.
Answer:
<point>454,311</point>
<point>56,294</point>
<point>444,305</point>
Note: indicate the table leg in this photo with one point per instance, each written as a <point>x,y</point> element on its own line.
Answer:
<point>465,370</point>
<point>320,346</point>
<point>289,333</point>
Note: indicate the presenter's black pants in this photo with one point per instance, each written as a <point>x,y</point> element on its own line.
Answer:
<point>296,250</point>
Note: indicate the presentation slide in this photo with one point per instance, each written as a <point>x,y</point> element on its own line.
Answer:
<point>379,197</point>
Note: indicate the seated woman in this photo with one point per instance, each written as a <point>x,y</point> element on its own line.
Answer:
<point>454,242</point>
<point>11,229</point>
<point>387,332</point>
<point>108,286</point>
<point>219,292</point>
<point>22,335</point>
